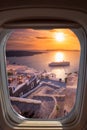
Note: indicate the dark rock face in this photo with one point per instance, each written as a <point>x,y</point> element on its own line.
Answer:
<point>28,110</point>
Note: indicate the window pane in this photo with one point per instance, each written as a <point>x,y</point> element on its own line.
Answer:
<point>42,69</point>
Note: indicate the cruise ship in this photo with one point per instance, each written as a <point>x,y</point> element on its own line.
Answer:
<point>62,63</point>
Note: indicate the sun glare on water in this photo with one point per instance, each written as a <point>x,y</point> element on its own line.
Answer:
<point>59,57</point>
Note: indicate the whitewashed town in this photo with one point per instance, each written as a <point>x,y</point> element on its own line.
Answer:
<point>35,94</point>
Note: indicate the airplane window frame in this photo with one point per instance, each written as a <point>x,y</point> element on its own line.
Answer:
<point>12,120</point>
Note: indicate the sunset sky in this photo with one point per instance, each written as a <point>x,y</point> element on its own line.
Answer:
<point>30,39</point>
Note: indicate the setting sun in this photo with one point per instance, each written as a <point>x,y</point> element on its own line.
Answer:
<point>59,57</point>
<point>32,39</point>
<point>59,36</point>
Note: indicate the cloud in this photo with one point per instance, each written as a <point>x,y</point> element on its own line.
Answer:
<point>40,37</point>
<point>31,39</point>
<point>16,46</point>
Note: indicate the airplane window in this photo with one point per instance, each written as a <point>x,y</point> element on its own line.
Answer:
<point>42,71</point>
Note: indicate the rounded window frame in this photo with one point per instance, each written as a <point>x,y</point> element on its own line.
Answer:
<point>13,120</point>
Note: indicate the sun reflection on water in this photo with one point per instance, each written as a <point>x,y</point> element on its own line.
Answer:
<point>59,57</point>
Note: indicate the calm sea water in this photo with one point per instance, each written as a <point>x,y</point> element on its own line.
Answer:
<point>40,61</point>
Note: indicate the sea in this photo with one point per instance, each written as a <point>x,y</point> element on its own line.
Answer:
<point>40,62</point>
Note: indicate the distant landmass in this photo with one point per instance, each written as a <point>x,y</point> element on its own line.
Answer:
<point>20,53</point>
<point>61,50</point>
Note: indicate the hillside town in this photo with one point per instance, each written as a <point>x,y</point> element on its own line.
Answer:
<point>35,94</point>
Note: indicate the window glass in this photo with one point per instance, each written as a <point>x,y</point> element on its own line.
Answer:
<point>42,70</point>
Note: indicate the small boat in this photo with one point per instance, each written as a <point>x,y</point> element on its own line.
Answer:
<point>62,63</point>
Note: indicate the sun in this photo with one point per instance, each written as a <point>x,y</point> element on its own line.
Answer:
<point>59,36</point>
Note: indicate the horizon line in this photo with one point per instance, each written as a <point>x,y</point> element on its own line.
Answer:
<point>45,50</point>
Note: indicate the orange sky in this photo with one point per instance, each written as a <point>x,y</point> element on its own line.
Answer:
<point>30,39</point>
